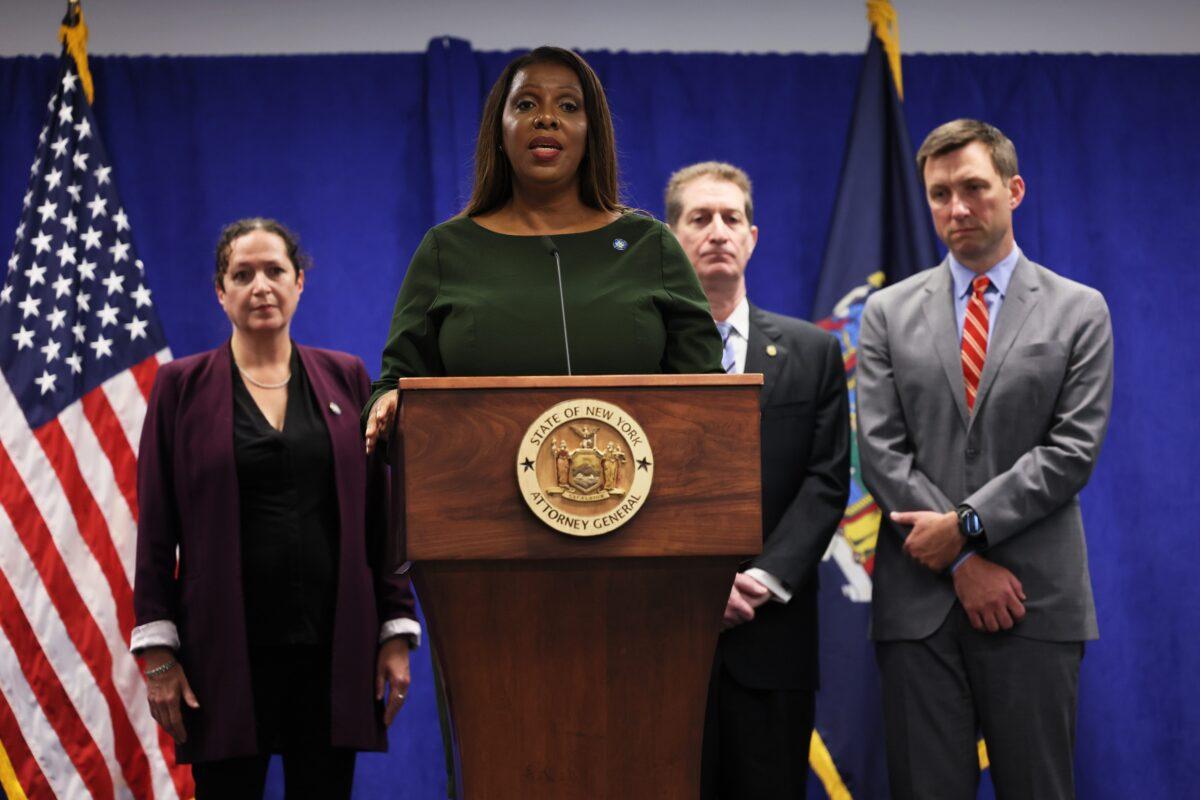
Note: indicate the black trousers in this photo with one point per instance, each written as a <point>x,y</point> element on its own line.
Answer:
<point>940,693</point>
<point>291,685</point>
<point>755,741</point>
<point>307,775</point>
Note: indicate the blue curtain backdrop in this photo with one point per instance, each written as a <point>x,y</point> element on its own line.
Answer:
<point>361,153</point>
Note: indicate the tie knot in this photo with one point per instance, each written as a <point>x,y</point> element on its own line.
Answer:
<point>725,328</point>
<point>980,285</point>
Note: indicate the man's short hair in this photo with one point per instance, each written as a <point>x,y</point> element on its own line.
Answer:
<point>961,132</point>
<point>716,169</point>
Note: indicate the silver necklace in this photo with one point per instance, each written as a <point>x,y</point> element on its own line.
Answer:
<point>262,385</point>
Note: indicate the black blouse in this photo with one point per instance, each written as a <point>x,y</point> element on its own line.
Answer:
<point>289,516</point>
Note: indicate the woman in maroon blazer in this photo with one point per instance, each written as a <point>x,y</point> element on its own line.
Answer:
<point>279,625</point>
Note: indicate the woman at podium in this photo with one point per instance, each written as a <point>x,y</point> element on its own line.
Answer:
<point>278,624</point>
<point>545,272</point>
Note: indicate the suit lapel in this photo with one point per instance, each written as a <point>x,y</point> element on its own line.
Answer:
<point>1020,299</point>
<point>343,439</point>
<point>943,331</point>
<point>321,389</point>
<point>763,334</point>
<point>213,390</point>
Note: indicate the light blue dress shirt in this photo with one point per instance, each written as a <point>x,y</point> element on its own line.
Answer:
<point>1000,274</point>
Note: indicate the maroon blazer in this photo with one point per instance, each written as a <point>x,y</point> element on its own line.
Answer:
<point>188,498</point>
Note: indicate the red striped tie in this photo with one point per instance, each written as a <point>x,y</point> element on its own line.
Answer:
<point>974,339</point>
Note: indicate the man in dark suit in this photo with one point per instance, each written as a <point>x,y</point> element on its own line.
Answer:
<point>984,390</point>
<point>761,696</point>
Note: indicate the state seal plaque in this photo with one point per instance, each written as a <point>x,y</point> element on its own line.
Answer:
<point>585,467</point>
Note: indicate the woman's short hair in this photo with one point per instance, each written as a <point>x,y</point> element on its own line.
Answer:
<point>236,230</point>
<point>598,184</point>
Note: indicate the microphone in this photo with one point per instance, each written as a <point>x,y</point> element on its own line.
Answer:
<point>552,249</point>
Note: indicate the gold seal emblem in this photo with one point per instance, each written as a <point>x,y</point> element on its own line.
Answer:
<point>585,467</point>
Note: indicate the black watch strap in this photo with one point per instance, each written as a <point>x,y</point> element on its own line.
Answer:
<point>969,523</point>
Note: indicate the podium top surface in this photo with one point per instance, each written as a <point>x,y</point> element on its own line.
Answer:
<point>580,381</point>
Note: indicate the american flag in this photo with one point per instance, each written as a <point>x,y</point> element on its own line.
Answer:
<point>80,343</point>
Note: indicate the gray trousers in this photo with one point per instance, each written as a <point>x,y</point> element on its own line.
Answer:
<point>942,692</point>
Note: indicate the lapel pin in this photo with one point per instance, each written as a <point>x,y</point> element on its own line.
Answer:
<point>334,407</point>
<point>772,350</point>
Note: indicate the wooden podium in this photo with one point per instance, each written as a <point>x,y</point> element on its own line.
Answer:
<point>576,667</point>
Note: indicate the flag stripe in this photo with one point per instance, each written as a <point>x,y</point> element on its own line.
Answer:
<point>156,744</point>
<point>49,772</point>
<point>179,775</point>
<point>96,472</point>
<point>86,455</point>
<point>114,444</point>
<point>50,499</point>
<point>81,627</point>
<point>68,481</point>
<point>20,775</point>
<point>128,405</point>
<point>60,711</point>
<point>144,372</point>
<point>93,529</point>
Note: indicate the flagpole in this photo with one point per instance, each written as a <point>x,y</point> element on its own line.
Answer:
<point>73,33</point>
<point>886,25</point>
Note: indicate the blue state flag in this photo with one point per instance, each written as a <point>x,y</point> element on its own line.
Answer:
<point>880,233</point>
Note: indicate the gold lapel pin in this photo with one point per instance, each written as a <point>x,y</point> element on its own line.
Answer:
<point>772,350</point>
<point>334,407</point>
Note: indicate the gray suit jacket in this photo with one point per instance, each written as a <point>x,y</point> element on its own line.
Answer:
<point>1019,459</point>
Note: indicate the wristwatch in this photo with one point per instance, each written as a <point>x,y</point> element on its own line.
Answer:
<point>969,524</point>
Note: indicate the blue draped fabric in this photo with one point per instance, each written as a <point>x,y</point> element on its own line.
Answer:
<point>361,153</point>
<point>880,232</point>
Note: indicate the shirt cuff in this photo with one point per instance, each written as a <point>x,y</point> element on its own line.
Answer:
<point>779,592</point>
<point>401,626</point>
<point>963,556</point>
<point>160,633</point>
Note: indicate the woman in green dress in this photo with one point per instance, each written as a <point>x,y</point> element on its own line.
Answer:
<point>481,296</point>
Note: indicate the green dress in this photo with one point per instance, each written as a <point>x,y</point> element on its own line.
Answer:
<point>475,302</point>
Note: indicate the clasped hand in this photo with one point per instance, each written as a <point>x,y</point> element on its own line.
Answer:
<point>934,540</point>
<point>990,594</point>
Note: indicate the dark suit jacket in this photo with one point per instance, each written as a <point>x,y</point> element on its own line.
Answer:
<point>188,498</point>
<point>805,483</point>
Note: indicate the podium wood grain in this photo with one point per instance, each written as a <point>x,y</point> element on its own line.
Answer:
<point>576,667</point>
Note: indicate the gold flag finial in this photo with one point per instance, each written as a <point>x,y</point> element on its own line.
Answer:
<point>73,33</point>
<point>884,20</point>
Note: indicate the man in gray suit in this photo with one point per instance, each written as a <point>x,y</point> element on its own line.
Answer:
<point>984,393</point>
<point>762,691</point>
